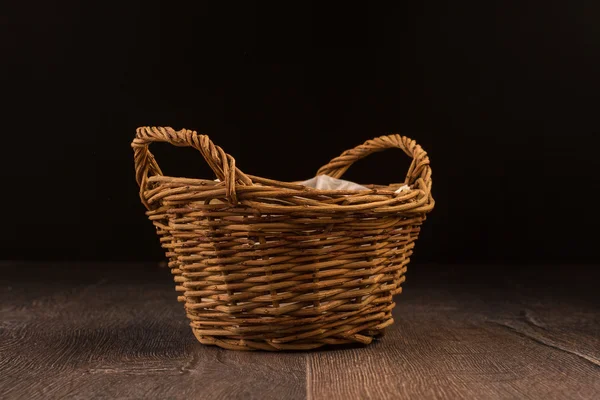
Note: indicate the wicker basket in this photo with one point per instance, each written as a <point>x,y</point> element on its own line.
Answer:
<point>269,265</point>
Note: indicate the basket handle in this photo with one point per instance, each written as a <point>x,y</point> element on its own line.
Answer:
<point>419,168</point>
<point>220,162</point>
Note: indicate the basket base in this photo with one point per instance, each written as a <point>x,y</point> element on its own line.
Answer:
<point>236,343</point>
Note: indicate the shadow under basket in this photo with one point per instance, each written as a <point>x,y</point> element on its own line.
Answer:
<point>268,265</point>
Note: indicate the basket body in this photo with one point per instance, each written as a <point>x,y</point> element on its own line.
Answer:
<point>284,267</point>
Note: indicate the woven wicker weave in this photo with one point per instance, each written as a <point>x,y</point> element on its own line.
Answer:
<point>269,265</point>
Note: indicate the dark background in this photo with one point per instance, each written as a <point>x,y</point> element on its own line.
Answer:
<point>504,97</point>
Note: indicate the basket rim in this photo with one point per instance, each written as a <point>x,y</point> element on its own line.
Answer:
<point>292,185</point>
<point>378,198</point>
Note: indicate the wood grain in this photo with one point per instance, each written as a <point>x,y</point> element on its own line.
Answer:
<point>116,331</point>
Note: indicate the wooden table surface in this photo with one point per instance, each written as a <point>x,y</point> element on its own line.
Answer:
<point>475,332</point>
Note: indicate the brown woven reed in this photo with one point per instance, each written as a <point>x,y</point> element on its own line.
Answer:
<point>263,264</point>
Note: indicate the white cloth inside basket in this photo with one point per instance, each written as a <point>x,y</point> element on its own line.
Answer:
<point>326,182</point>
